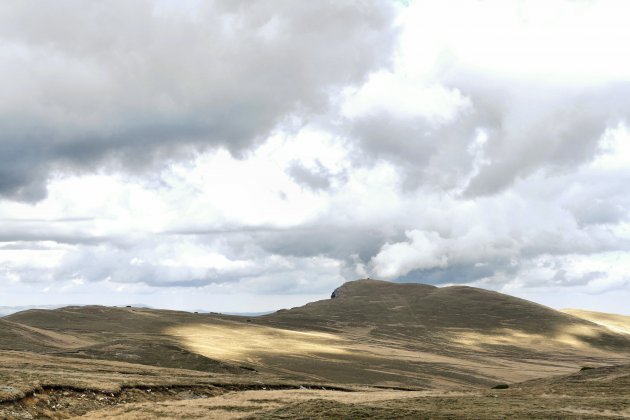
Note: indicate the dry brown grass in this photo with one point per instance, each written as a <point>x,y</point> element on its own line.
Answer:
<point>239,342</point>
<point>614,322</point>
<point>449,346</point>
<point>598,393</point>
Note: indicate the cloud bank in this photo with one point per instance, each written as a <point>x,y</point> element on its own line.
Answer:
<point>203,149</point>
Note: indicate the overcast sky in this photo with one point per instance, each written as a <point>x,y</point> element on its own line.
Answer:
<point>246,156</point>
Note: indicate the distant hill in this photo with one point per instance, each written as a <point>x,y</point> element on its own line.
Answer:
<point>614,322</point>
<point>419,310</point>
<point>370,332</point>
<point>8,310</point>
<point>390,304</point>
<point>129,334</point>
<point>15,336</point>
<point>91,318</point>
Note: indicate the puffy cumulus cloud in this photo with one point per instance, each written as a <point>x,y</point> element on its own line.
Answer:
<point>138,82</point>
<point>421,251</point>
<point>555,231</point>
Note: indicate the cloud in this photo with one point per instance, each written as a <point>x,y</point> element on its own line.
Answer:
<point>495,238</point>
<point>421,251</point>
<point>137,83</point>
<point>540,128</point>
<point>230,148</point>
<point>315,179</point>
<point>508,129</point>
<point>539,103</point>
<point>167,262</point>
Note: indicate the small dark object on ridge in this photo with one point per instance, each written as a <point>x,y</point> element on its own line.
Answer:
<point>249,320</point>
<point>586,368</point>
<point>501,386</point>
<point>128,306</point>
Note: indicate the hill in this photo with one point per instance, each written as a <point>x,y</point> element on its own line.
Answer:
<point>376,332</point>
<point>614,322</point>
<point>388,304</point>
<point>449,345</point>
<point>15,336</point>
<point>422,311</point>
<point>119,334</point>
<point>370,332</point>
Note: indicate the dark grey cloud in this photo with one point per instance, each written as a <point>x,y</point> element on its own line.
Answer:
<point>327,240</point>
<point>459,274</point>
<point>563,278</point>
<point>318,178</point>
<point>332,241</point>
<point>134,83</point>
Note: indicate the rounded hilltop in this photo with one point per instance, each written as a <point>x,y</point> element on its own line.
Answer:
<point>367,287</point>
<point>391,309</point>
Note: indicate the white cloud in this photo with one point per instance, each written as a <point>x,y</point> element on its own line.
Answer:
<point>422,251</point>
<point>400,94</point>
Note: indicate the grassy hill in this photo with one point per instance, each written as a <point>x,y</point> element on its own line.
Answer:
<point>614,322</point>
<point>126,334</point>
<point>417,311</point>
<point>16,336</point>
<point>370,332</point>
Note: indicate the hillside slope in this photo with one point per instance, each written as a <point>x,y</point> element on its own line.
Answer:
<point>135,335</point>
<point>614,322</point>
<point>370,333</point>
<point>418,311</point>
<point>412,334</point>
<point>15,336</point>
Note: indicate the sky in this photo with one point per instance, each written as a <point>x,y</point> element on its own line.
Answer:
<point>229,155</point>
